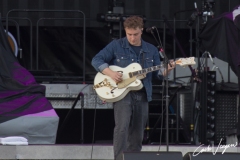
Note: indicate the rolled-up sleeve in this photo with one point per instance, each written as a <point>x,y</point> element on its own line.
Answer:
<point>103,66</point>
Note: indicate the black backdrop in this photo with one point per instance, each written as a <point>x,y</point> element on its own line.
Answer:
<point>61,41</point>
<point>152,9</point>
<point>60,48</point>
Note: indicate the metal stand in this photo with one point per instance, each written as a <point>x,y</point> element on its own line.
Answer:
<point>82,116</point>
<point>167,101</point>
<point>165,86</point>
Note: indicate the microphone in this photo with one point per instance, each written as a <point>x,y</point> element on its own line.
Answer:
<point>161,52</point>
<point>195,5</point>
<point>149,30</point>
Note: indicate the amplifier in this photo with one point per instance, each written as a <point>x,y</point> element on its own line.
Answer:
<point>226,113</point>
<point>63,96</point>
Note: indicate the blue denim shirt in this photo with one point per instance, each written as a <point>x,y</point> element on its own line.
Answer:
<point>120,53</point>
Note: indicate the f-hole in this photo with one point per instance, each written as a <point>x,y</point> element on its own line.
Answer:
<point>113,90</point>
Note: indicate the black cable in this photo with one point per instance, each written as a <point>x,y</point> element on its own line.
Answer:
<point>159,39</point>
<point>215,66</point>
<point>197,109</point>
<point>161,50</point>
<point>159,43</point>
<point>70,111</point>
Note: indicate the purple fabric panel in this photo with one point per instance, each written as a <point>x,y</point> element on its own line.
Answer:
<point>22,75</point>
<point>31,89</point>
<point>48,113</point>
<point>33,104</point>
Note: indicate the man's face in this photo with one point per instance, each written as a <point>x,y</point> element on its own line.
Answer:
<point>134,36</point>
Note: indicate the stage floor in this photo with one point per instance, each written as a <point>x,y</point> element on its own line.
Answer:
<point>100,152</point>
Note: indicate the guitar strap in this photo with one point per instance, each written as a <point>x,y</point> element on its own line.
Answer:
<point>142,56</point>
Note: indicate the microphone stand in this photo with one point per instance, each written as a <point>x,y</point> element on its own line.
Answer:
<point>165,61</point>
<point>165,86</point>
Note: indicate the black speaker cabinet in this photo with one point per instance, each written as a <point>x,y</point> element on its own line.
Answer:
<point>211,156</point>
<point>152,156</point>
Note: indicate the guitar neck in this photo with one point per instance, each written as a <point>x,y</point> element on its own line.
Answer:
<point>181,62</point>
<point>145,71</point>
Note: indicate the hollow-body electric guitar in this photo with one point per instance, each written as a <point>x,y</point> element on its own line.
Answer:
<point>110,91</point>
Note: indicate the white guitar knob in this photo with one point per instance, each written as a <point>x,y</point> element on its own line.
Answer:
<point>136,82</point>
<point>113,95</point>
<point>107,93</point>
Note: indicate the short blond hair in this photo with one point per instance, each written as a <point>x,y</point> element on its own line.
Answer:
<point>133,22</point>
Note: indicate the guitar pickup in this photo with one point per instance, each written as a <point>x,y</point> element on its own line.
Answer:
<point>141,76</point>
<point>124,83</point>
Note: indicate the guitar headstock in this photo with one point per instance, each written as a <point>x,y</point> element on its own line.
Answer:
<point>186,61</point>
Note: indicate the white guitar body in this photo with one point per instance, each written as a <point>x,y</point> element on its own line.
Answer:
<point>109,94</point>
<point>109,91</point>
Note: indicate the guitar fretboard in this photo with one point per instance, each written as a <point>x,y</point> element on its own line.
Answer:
<point>145,71</point>
<point>181,61</point>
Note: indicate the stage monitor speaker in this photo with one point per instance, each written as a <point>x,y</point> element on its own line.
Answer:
<point>211,156</point>
<point>152,156</point>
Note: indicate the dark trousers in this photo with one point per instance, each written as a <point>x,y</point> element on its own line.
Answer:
<point>130,116</point>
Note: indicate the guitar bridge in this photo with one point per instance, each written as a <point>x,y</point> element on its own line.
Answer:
<point>104,83</point>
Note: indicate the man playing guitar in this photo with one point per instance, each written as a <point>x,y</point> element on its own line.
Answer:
<point>131,111</point>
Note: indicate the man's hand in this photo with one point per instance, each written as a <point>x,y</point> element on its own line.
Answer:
<point>116,76</point>
<point>170,67</point>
